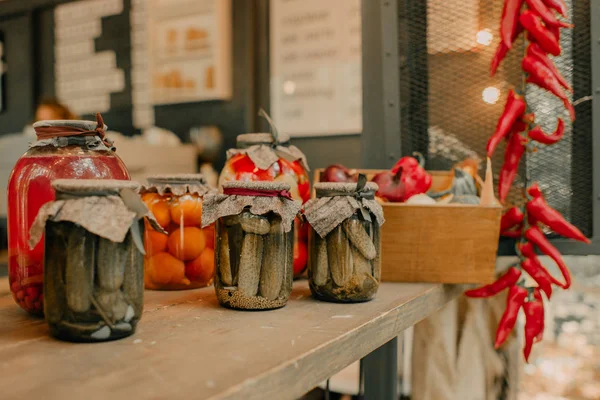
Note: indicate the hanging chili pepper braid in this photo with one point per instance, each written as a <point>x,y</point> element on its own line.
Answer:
<point>542,25</point>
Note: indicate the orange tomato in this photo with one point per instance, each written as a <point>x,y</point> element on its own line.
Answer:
<point>186,243</point>
<point>163,269</point>
<point>202,268</point>
<point>150,198</point>
<point>156,242</point>
<point>160,210</point>
<point>187,210</point>
<point>209,235</point>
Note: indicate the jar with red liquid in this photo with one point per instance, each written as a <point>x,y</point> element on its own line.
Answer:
<point>183,257</point>
<point>270,157</point>
<point>64,150</point>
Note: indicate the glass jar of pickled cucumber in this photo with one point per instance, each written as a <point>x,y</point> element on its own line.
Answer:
<point>254,246</point>
<point>183,257</point>
<point>344,241</point>
<point>63,150</point>
<point>93,263</point>
<point>270,157</point>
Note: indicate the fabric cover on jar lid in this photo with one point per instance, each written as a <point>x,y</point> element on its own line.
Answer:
<point>177,184</point>
<point>62,133</point>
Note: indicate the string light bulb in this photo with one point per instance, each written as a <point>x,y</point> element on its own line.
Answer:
<point>490,95</point>
<point>485,37</point>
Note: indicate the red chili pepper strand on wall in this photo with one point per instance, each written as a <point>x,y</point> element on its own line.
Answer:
<point>515,107</point>
<point>534,50</point>
<point>512,156</point>
<point>540,136</point>
<point>542,212</point>
<point>528,252</point>
<point>559,5</point>
<point>513,217</point>
<point>538,7</point>
<point>543,77</point>
<point>546,39</point>
<point>516,297</point>
<point>537,237</point>
<point>510,277</point>
<point>534,323</point>
<point>510,20</point>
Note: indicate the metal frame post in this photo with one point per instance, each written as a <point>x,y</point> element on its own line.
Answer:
<point>381,372</point>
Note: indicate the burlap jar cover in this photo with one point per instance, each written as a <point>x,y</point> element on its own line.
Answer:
<point>345,260</point>
<point>177,184</point>
<point>62,133</point>
<point>254,249</point>
<point>264,149</point>
<point>94,258</point>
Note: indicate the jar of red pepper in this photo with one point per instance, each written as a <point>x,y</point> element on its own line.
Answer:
<point>270,157</point>
<point>64,149</point>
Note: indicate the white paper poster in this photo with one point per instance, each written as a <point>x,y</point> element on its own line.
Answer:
<point>316,82</point>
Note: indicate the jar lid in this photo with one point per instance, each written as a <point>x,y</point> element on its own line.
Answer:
<point>330,189</point>
<point>252,139</point>
<point>95,186</point>
<point>73,123</point>
<point>177,184</point>
<point>257,185</point>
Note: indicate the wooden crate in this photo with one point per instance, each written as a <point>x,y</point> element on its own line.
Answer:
<point>446,243</point>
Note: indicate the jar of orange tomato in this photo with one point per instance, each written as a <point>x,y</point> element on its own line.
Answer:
<point>270,157</point>
<point>183,258</point>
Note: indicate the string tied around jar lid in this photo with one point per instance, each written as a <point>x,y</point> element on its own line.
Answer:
<point>360,193</point>
<point>233,191</point>
<point>49,132</point>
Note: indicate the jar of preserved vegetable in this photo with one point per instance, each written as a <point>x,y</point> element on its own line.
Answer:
<point>184,256</point>
<point>64,149</point>
<point>344,244</point>
<point>270,157</point>
<point>254,246</point>
<point>93,262</point>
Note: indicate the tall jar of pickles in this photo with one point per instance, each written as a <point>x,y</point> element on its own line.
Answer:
<point>183,257</point>
<point>270,157</point>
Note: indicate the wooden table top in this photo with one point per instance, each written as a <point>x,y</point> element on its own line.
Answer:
<point>187,346</point>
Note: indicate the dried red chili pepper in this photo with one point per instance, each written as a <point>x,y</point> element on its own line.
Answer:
<point>542,212</point>
<point>516,234</point>
<point>540,136</point>
<point>509,278</point>
<point>534,323</point>
<point>510,20</point>
<point>538,7</point>
<point>512,156</point>
<point>538,296</point>
<point>533,24</point>
<point>537,237</point>
<point>543,77</point>
<point>540,276</point>
<point>516,298</point>
<point>502,50</point>
<point>515,107</point>
<point>513,217</point>
<point>534,50</point>
<point>559,5</point>
<point>528,251</point>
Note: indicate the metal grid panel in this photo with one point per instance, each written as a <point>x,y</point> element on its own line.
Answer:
<point>444,71</point>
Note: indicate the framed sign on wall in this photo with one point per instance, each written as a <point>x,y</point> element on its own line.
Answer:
<point>189,50</point>
<point>315,67</point>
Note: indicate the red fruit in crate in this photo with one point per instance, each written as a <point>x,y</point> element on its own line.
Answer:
<point>391,187</point>
<point>338,173</point>
<point>300,257</point>
<point>304,191</point>
<point>302,229</point>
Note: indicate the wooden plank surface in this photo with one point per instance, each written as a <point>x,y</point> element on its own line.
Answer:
<point>187,346</point>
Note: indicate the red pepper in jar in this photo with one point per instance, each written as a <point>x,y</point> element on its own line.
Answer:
<point>534,50</point>
<point>559,5</point>
<point>542,212</point>
<point>540,136</point>
<point>509,278</point>
<point>534,322</point>
<point>514,302</point>
<point>546,39</point>
<point>510,20</point>
<point>538,7</point>
<point>515,107</point>
<point>537,237</point>
<point>543,77</point>
<point>528,251</point>
<point>512,156</point>
<point>513,217</point>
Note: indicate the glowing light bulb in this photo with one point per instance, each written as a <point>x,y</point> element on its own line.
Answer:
<point>485,37</point>
<point>490,95</point>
